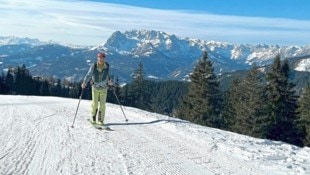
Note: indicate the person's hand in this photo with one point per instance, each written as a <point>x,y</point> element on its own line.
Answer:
<point>83,85</point>
<point>110,83</point>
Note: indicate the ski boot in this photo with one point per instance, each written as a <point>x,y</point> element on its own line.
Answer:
<point>100,119</point>
<point>93,120</point>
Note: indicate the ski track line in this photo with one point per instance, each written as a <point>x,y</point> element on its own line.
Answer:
<point>206,157</point>
<point>42,161</point>
<point>137,162</point>
<point>152,154</point>
<point>6,121</point>
<point>195,152</point>
<point>100,156</point>
<point>30,142</point>
<point>204,154</point>
<point>7,137</point>
<point>25,149</point>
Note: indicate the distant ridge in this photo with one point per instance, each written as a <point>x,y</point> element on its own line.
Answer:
<point>165,56</point>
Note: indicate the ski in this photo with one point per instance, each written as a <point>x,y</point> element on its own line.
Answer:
<point>100,127</point>
<point>97,126</point>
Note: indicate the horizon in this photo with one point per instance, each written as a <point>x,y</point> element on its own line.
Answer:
<point>91,22</point>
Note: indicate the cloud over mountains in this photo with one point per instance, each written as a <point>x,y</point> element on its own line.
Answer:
<point>91,23</point>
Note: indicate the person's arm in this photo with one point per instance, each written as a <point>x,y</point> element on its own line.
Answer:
<point>88,76</point>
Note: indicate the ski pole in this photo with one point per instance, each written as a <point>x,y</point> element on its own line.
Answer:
<point>113,87</point>
<point>77,108</point>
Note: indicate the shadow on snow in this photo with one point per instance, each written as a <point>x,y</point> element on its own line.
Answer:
<point>147,123</point>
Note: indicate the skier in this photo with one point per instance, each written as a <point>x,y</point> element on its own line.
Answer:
<point>99,78</point>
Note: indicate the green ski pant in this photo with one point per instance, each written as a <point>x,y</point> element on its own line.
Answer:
<point>98,95</point>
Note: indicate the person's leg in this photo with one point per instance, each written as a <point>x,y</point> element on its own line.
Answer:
<point>94,104</point>
<point>103,98</point>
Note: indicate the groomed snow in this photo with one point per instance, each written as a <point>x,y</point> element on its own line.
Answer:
<point>36,138</point>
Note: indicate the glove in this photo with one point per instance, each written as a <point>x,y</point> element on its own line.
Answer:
<point>83,85</point>
<point>110,83</point>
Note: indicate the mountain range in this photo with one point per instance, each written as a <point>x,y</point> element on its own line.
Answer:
<point>164,56</point>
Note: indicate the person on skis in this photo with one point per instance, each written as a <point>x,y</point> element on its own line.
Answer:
<point>99,78</point>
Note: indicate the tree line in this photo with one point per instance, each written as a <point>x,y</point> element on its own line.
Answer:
<point>139,93</point>
<point>19,81</point>
<point>256,105</point>
<point>262,105</point>
<point>259,104</point>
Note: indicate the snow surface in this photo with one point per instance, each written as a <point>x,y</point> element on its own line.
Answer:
<point>36,138</point>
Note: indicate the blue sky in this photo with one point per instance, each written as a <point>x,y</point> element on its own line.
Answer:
<point>92,22</point>
<point>295,9</point>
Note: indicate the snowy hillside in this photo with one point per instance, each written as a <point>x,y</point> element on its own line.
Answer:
<point>36,138</point>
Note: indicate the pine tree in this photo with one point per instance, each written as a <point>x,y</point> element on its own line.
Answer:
<point>37,87</point>
<point>125,99</point>
<point>138,95</point>
<point>202,103</point>
<point>304,114</point>
<point>5,89</point>
<point>56,89</point>
<point>282,105</point>
<point>9,81</point>
<point>245,105</point>
<point>230,106</point>
<point>44,90</point>
<point>2,85</point>
<point>167,96</point>
<point>24,84</point>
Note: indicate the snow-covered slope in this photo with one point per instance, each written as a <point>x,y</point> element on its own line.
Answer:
<point>36,138</point>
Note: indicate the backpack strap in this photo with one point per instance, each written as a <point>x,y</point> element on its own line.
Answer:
<point>95,66</point>
<point>108,66</point>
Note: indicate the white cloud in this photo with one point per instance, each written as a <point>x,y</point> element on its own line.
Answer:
<point>91,23</point>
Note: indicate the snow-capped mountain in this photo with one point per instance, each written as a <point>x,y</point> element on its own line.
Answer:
<point>179,55</point>
<point>143,43</point>
<point>164,56</point>
<point>12,40</point>
<point>303,65</point>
